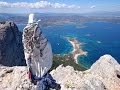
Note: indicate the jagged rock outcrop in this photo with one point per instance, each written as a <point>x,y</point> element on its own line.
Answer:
<point>104,74</point>
<point>11,48</point>
<point>14,78</point>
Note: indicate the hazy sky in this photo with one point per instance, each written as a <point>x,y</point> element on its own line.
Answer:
<point>58,6</point>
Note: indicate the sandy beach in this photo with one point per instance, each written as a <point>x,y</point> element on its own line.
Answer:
<point>72,45</point>
<point>77,50</point>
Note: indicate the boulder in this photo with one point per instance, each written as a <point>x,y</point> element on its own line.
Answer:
<point>104,74</point>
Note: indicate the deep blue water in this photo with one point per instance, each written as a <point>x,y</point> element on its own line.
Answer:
<point>99,38</point>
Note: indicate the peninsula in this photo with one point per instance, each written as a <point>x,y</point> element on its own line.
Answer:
<point>77,50</point>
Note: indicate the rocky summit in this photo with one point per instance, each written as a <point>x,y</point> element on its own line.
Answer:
<point>11,48</point>
<point>104,74</point>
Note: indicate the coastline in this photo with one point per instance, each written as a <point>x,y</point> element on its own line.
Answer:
<point>77,50</point>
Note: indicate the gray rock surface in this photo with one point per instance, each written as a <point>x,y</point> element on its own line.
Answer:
<point>11,48</point>
<point>104,74</point>
<point>14,78</point>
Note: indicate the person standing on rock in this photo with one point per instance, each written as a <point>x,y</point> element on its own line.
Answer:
<point>38,55</point>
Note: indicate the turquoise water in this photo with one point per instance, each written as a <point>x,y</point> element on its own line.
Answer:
<point>98,38</point>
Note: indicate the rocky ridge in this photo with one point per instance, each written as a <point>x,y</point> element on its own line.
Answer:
<point>11,49</point>
<point>104,74</point>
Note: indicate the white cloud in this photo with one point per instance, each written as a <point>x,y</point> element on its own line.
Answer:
<point>93,6</point>
<point>39,5</point>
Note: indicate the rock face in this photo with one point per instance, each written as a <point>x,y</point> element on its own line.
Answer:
<point>11,49</point>
<point>103,75</point>
<point>14,78</point>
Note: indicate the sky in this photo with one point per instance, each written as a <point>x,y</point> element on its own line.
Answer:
<point>58,6</point>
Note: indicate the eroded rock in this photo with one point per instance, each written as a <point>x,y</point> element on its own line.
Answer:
<point>11,48</point>
<point>103,75</point>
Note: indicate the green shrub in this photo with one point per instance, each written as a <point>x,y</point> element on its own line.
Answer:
<point>65,61</point>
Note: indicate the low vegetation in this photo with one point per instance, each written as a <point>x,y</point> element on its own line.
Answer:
<point>65,61</point>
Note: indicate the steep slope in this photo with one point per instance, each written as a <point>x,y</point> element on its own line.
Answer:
<point>11,49</point>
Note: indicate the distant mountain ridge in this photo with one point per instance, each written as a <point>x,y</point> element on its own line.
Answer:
<point>100,13</point>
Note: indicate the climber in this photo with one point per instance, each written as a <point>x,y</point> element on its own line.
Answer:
<point>38,55</point>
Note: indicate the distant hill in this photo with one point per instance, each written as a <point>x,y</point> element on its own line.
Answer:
<point>102,13</point>
<point>49,19</point>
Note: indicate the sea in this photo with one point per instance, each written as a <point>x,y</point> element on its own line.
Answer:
<point>97,38</point>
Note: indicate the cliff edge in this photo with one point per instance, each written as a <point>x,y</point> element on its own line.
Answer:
<point>11,48</point>
<point>104,74</point>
